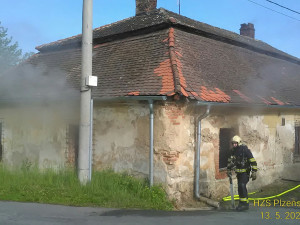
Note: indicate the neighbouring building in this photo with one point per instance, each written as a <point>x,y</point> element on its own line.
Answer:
<point>188,69</point>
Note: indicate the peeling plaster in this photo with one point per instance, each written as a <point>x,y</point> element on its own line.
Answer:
<point>121,142</point>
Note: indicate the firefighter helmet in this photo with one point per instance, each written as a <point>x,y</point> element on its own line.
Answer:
<point>237,139</point>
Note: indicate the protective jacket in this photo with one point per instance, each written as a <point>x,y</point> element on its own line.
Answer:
<point>241,160</point>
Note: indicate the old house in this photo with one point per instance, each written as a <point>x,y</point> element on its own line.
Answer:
<point>202,83</point>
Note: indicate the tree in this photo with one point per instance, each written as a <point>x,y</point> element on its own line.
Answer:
<point>10,54</point>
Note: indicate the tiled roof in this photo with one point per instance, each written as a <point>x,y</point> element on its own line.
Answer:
<point>138,65</point>
<point>163,53</point>
<point>163,18</point>
<point>218,71</point>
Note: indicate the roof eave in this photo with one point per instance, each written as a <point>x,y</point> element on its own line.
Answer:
<point>246,105</point>
<point>130,98</point>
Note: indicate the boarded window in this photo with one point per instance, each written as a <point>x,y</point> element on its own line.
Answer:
<point>297,140</point>
<point>224,142</point>
<point>1,144</point>
<point>73,145</point>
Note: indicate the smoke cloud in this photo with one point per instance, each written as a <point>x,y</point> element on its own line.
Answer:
<point>272,80</point>
<point>34,84</point>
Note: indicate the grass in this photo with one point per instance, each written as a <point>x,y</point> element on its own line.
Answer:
<point>107,189</point>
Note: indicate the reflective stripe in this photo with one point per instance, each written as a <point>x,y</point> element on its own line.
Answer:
<point>240,170</point>
<point>254,167</point>
<point>244,200</point>
<point>252,160</point>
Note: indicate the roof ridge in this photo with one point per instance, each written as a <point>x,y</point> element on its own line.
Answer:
<point>180,84</point>
<point>182,87</point>
<point>232,37</point>
<point>172,54</point>
<point>160,11</point>
<point>158,18</point>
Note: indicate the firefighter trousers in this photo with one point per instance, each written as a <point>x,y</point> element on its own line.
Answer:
<point>243,179</point>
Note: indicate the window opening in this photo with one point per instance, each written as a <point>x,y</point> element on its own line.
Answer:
<point>224,145</point>
<point>73,145</point>
<point>282,121</point>
<point>297,140</point>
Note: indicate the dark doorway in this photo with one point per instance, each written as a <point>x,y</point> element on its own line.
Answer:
<point>297,140</point>
<point>224,145</point>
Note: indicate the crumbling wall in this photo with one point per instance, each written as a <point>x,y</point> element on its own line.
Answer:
<point>174,148</point>
<point>121,142</point>
<point>35,135</point>
<point>271,143</point>
<point>121,139</point>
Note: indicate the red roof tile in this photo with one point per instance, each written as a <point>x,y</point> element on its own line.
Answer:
<point>163,53</point>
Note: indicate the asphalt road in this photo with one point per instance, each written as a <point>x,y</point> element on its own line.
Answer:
<point>15,213</point>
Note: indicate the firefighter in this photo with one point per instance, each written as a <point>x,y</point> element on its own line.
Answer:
<point>242,161</point>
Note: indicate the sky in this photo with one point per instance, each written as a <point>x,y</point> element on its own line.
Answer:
<point>35,22</point>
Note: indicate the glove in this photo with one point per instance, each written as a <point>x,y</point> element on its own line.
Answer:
<point>229,174</point>
<point>253,175</point>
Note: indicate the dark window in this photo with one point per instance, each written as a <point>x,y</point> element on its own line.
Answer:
<point>282,121</point>
<point>224,142</point>
<point>73,144</point>
<point>297,140</point>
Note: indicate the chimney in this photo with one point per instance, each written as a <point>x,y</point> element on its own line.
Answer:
<point>247,30</point>
<point>144,6</point>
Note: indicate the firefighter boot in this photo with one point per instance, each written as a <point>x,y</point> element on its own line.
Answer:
<point>242,206</point>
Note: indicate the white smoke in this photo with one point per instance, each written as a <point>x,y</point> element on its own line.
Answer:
<point>35,83</point>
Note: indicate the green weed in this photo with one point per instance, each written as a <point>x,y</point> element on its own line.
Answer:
<point>107,189</point>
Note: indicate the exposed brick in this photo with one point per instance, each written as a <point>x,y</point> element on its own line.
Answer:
<point>170,157</point>
<point>173,159</point>
<point>221,175</point>
<point>166,159</point>
<point>173,153</point>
